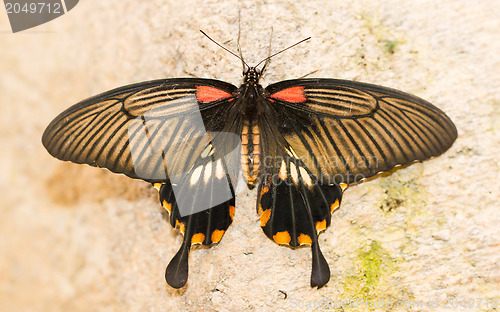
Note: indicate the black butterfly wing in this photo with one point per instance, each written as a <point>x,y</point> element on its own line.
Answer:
<point>205,227</point>
<point>172,133</point>
<point>322,135</point>
<point>346,131</point>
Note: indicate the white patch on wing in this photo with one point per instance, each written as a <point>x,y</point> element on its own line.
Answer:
<point>207,152</point>
<point>294,173</point>
<point>219,170</point>
<point>208,173</point>
<point>305,177</point>
<point>195,177</point>
<point>283,175</point>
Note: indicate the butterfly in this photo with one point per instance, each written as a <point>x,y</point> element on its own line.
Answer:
<point>301,141</point>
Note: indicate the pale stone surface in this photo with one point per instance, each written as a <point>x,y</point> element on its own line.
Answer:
<point>76,238</point>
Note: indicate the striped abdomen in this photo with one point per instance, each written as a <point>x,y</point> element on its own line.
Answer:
<point>250,152</point>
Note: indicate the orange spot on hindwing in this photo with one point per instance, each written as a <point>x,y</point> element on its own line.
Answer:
<point>231,211</point>
<point>157,186</point>
<point>197,238</point>
<point>291,95</point>
<point>335,205</point>
<point>320,226</point>
<point>264,217</point>
<point>304,239</point>
<point>282,238</point>
<point>167,206</point>
<point>217,236</point>
<point>180,226</point>
<point>211,94</point>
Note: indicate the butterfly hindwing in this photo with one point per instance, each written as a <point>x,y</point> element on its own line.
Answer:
<point>294,208</point>
<point>205,227</point>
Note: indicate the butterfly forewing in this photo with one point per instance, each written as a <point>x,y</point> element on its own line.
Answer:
<point>345,131</point>
<point>141,130</point>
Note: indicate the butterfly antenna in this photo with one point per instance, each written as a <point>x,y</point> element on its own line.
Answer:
<point>293,45</point>
<point>309,74</point>
<point>238,43</point>
<point>224,48</point>
<point>268,59</point>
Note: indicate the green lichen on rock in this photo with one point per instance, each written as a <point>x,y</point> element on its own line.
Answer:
<point>403,188</point>
<point>374,263</point>
<point>388,37</point>
<point>372,284</point>
<point>389,46</point>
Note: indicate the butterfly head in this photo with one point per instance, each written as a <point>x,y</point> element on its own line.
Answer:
<point>251,75</point>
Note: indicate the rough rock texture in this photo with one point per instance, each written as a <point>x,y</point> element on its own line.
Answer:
<point>76,238</point>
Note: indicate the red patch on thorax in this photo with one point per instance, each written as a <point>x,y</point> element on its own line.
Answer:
<point>291,95</point>
<point>210,94</point>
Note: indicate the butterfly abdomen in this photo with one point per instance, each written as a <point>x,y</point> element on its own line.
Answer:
<point>250,152</point>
